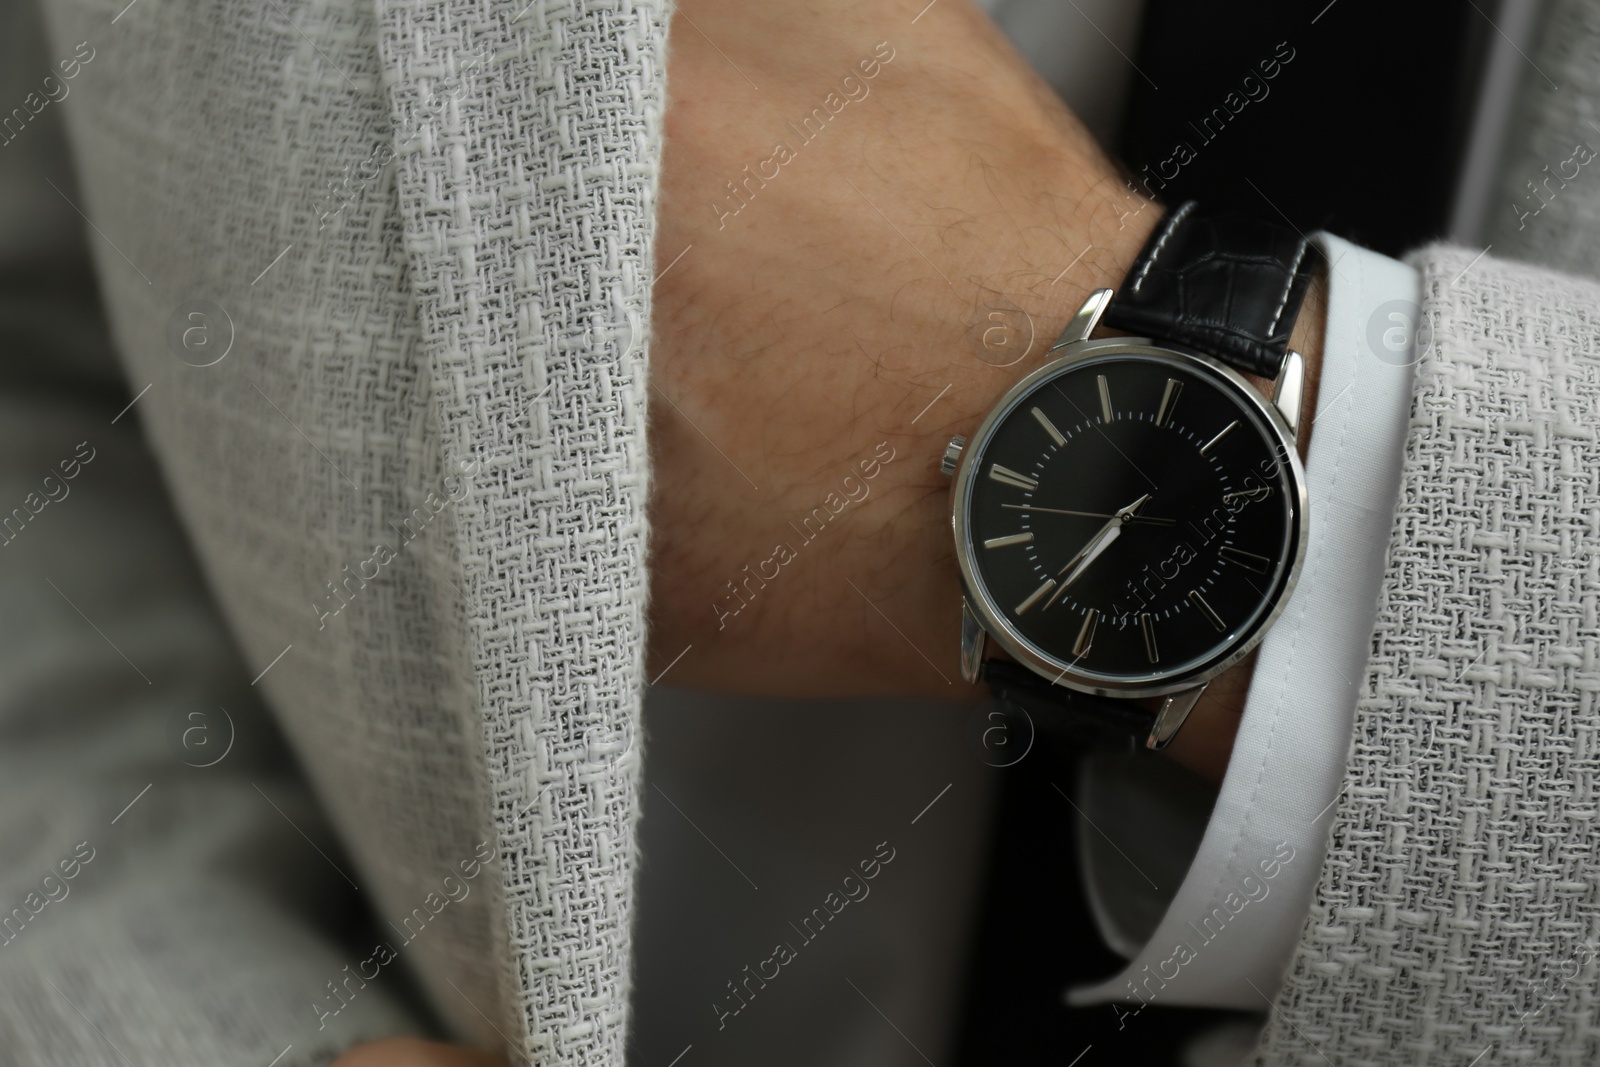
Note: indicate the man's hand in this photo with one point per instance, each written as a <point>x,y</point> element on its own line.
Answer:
<point>874,219</point>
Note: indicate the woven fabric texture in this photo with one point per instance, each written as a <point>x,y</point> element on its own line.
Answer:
<point>415,477</point>
<point>1456,914</point>
<point>529,211</point>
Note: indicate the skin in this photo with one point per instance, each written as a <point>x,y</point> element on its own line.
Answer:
<point>870,290</point>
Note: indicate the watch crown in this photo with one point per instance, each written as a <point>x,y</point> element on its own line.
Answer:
<point>952,455</point>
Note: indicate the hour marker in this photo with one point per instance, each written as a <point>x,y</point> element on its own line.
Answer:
<point>1080,647</point>
<point>1049,427</point>
<point>1008,539</point>
<point>1169,397</point>
<point>1105,399</point>
<point>1033,597</point>
<point>1205,609</point>
<point>1248,560</point>
<point>1148,626</point>
<point>1007,476</point>
<point>1225,431</point>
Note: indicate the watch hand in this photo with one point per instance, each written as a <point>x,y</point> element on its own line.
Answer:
<point>1150,519</point>
<point>1086,555</point>
<point>1101,543</point>
<point>1132,509</point>
<point>1097,544</point>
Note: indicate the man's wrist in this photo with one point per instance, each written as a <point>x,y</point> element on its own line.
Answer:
<point>841,309</point>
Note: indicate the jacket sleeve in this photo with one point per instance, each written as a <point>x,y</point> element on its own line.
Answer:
<point>1456,910</point>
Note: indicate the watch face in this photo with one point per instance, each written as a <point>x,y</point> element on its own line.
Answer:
<point>1130,518</point>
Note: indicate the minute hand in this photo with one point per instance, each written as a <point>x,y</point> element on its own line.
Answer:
<point>1151,519</point>
<point>1097,544</point>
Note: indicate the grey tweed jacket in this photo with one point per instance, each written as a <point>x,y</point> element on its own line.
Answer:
<point>1458,915</point>
<point>377,271</point>
<point>379,275</point>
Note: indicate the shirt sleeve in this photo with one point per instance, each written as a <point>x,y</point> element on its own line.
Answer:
<point>1224,937</point>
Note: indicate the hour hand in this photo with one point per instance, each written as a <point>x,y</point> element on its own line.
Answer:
<point>1097,544</point>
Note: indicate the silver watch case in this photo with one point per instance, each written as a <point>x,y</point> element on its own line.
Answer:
<point>1279,414</point>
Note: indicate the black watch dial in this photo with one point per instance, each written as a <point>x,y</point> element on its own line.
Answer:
<point>1132,517</point>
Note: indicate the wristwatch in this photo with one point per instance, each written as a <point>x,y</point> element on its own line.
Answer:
<point>1130,518</point>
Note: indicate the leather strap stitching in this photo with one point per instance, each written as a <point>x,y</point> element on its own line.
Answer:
<point>1215,290</point>
<point>1172,225</point>
<point>1288,287</point>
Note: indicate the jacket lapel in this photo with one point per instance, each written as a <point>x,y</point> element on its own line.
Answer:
<point>527,140</point>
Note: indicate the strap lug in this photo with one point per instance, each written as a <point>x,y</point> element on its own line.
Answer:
<point>974,641</point>
<point>1288,393</point>
<point>1087,318</point>
<point>1174,710</point>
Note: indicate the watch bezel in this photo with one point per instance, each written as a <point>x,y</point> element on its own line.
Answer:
<point>994,621</point>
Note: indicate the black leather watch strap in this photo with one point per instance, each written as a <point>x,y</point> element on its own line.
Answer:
<point>1226,283</point>
<point>1082,720</point>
